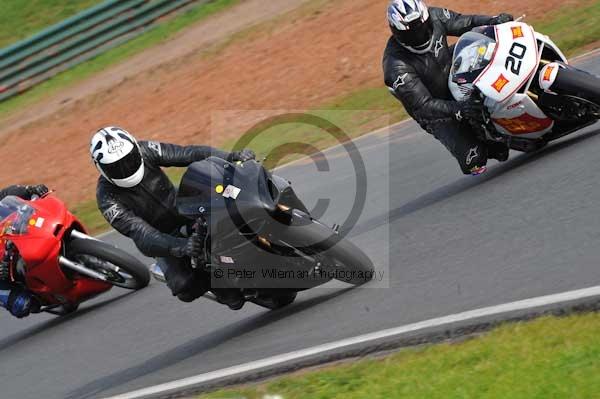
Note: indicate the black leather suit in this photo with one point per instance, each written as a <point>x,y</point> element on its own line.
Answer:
<point>147,212</point>
<point>420,82</point>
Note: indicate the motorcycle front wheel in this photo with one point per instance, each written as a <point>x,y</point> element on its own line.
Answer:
<point>120,268</point>
<point>346,261</point>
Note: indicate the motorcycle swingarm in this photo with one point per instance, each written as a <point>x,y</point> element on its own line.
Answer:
<point>568,108</point>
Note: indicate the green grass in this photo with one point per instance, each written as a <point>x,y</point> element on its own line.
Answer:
<point>547,358</point>
<point>87,212</point>
<point>22,18</point>
<point>572,28</point>
<point>156,35</point>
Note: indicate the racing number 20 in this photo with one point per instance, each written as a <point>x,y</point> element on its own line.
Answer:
<point>517,52</point>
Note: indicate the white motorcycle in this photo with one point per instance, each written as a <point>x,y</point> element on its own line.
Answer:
<point>531,94</point>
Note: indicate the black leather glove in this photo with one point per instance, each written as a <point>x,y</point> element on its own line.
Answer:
<point>40,190</point>
<point>191,247</point>
<point>501,19</point>
<point>242,156</point>
<point>470,110</point>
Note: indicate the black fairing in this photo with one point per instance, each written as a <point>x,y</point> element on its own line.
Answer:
<point>235,225</point>
<point>254,209</point>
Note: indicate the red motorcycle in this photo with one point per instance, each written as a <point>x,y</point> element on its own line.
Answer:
<point>45,248</point>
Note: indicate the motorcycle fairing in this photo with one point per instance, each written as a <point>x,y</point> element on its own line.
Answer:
<point>521,117</point>
<point>244,231</point>
<point>550,46</point>
<point>515,60</point>
<point>41,246</point>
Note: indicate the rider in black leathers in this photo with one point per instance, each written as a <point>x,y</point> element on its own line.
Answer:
<point>416,64</point>
<point>137,198</point>
<point>15,297</point>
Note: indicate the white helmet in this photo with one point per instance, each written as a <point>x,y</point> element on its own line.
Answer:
<point>117,156</point>
<point>410,24</point>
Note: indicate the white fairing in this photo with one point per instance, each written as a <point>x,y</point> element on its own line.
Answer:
<point>548,76</point>
<point>502,78</point>
<point>550,43</point>
<point>521,117</point>
<point>505,80</point>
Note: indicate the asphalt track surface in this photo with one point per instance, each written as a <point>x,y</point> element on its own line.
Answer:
<point>446,244</point>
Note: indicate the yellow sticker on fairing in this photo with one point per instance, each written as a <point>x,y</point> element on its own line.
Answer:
<point>219,189</point>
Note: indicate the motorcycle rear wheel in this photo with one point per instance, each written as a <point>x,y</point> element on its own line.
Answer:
<point>121,269</point>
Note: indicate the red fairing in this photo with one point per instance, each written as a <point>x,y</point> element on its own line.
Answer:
<point>40,248</point>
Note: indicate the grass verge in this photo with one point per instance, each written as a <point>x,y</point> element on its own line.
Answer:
<point>547,358</point>
<point>156,35</point>
<point>20,19</point>
<point>572,28</point>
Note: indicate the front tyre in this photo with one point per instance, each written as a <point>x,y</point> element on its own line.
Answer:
<point>346,261</point>
<point>582,89</point>
<point>579,83</point>
<point>120,268</point>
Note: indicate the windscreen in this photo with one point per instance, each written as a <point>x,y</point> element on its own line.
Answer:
<point>15,215</point>
<point>472,55</point>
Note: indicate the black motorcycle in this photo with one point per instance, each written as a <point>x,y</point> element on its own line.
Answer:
<point>261,240</point>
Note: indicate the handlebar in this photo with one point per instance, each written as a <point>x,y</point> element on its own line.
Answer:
<point>200,230</point>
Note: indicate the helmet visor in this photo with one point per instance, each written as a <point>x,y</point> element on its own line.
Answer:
<point>125,167</point>
<point>418,35</point>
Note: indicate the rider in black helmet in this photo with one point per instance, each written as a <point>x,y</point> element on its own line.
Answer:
<point>137,198</point>
<point>416,66</point>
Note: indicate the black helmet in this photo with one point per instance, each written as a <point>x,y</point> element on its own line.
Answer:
<point>410,24</point>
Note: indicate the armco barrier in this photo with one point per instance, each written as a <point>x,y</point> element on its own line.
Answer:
<point>78,39</point>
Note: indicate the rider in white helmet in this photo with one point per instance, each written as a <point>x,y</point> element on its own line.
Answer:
<point>416,66</point>
<point>137,198</point>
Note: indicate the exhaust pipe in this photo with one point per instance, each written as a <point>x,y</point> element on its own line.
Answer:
<point>69,264</point>
<point>82,236</point>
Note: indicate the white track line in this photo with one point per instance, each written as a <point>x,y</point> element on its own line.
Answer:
<point>526,304</point>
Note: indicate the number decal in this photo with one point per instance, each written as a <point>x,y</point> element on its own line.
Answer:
<point>517,52</point>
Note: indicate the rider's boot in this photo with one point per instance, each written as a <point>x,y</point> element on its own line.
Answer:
<point>498,151</point>
<point>199,285</point>
<point>19,302</point>
<point>230,297</point>
<point>179,276</point>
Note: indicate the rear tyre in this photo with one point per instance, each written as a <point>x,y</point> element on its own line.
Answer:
<point>346,261</point>
<point>121,269</point>
<point>573,82</point>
